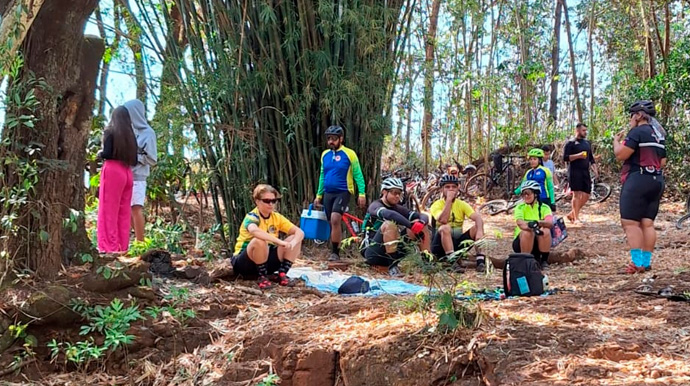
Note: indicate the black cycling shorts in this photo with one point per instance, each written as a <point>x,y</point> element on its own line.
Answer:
<point>458,237</point>
<point>641,196</point>
<point>535,246</point>
<point>375,253</point>
<point>580,180</point>
<point>335,203</point>
<point>244,266</point>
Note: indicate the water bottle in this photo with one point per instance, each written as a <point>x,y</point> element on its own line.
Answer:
<point>545,282</point>
<point>355,226</point>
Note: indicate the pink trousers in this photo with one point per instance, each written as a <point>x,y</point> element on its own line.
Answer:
<point>114,207</point>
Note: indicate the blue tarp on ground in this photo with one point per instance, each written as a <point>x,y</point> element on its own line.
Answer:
<point>330,281</point>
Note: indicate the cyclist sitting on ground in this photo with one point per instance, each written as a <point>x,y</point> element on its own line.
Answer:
<point>643,152</point>
<point>448,215</point>
<point>548,163</point>
<point>340,169</point>
<point>541,175</point>
<point>534,221</point>
<point>259,251</point>
<point>387,246</point>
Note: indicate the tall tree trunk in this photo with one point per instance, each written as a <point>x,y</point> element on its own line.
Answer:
<point>590,48</point>
<point>648,43</point>
<point>430,48</point>
<point>9,22</point>
<point>525,90</point>
<point>167,117</point>
<point>571,49</point>
<point>134,30</point>
<point>57,52</point>
<point>107,59</point>
<point>555,63</point>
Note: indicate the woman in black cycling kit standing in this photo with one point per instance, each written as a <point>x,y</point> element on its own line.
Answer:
<point>643,153</point>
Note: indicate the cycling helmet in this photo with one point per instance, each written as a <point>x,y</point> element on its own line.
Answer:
<point>335,130</point>
<point>448,179</point>
<point>392,183</point>
<point>469,168</point>
<point>643,105</point>
<point>531,185</point>
<point>539,153</point>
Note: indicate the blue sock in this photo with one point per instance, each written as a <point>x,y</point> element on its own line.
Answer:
<point>646,258</point>
<point>636,257</point>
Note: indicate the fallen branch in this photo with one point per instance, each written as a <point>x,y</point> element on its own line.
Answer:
<point>16,367</point>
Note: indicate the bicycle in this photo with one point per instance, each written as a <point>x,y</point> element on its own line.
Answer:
<point>497,206</point>
<point>502,174</point>
<point>686,216</point>
<point>600,191</point>
<point>353,225</point>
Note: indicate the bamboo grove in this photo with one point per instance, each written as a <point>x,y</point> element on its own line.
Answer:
<point>264,79</point>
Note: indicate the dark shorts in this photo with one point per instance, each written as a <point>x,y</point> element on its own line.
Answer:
<point>535,247</point>
<point>244,266</point>
<point>580,180</point>
<point>375,253</point>
<point>640,196</point>
<point>335,203</point>
<point>458,237</point>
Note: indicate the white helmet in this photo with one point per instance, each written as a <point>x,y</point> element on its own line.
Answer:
<point>531,185</point>
<point>392,183</point>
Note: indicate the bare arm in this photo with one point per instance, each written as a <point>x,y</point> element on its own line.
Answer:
<point>260,234</point>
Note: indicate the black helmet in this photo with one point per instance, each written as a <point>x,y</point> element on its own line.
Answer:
<point>448,179</point>
<point>335,130</point>
<point>643,105</point>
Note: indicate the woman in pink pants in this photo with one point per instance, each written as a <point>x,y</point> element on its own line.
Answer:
<point>115,192</point>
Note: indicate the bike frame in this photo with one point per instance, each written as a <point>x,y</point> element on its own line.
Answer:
<point>348,219</point>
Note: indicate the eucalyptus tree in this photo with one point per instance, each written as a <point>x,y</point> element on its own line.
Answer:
<point>49,104</point>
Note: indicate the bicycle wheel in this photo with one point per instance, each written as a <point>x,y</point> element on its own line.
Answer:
<point>508,180</point>
<point>431,195</point>
<point>494,207</point>
<point>600,192</point>
<point>679,223</point>
<point>478,186</point>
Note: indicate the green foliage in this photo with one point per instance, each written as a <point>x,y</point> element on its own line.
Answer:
<point>175,300</point>
<point>112,322</point>
<point>269,380</point>
<point>160,235</point>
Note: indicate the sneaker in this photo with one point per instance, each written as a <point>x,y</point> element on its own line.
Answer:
<point>544,265</point>
<point>394,271</point>
<point>481,267</point>
<point>264,283</point>
<point>333,257</point>
<point>457,267</point>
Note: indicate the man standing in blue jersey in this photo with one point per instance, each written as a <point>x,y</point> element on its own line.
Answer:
<point>340,170</point>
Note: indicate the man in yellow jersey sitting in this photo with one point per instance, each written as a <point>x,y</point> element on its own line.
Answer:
<point>448,215</point>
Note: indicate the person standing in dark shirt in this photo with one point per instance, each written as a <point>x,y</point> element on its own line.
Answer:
<point>578,154</point>
<point>643,152</point>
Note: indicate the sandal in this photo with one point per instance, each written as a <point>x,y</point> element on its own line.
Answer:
<point>264,283</point>
<point>283,280</point>
<point>632,269</point>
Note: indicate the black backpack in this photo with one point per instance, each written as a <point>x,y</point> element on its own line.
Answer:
<point>522,276</point>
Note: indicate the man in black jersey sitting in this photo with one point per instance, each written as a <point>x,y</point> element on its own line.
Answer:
<point>394,223</point>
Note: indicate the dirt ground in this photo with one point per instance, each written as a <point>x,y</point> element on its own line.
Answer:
<point>595,331</point>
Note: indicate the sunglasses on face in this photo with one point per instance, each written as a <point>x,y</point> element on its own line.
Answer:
<point>270,200</point>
